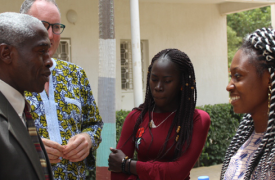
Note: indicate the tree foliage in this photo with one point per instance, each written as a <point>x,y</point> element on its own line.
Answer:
<point>242,23</point>
<point>248,21</point>
<point>233,43</point>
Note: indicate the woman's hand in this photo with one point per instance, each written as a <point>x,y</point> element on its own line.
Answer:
<point>115,160</point>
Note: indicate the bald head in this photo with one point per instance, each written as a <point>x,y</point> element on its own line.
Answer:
<point>16,28</point>
<point>27,4</point>
<point>47,11</point>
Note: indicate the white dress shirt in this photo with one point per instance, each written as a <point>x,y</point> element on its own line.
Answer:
<point>14,97</point>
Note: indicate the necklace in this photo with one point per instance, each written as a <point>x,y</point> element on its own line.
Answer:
<point>152,123</point>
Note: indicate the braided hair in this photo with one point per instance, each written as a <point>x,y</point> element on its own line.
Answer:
<point>185,110</point>
<point>260,46</point>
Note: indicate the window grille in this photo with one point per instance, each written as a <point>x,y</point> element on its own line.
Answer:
<point>126,63</point>
<point>63,51</point>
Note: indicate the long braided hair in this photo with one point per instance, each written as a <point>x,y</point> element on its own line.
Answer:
<point>185,111</point>
<point>260,45</point>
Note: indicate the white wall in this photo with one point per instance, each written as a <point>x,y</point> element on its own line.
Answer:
<point>199,30</point>
<point>84,36</point>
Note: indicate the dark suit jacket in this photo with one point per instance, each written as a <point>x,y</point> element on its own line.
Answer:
<point>18,156</point>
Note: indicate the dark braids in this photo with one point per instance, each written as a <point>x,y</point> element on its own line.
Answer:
<point>260,46</point>
<point>185,111</point>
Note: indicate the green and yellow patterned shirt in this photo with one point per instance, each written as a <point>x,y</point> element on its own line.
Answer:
<point>76,111</point>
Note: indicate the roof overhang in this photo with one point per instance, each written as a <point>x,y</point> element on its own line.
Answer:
<point>225,6</point>
<point>233,7</point>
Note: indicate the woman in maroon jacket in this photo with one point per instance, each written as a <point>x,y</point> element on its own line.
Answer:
<point>167,131</point>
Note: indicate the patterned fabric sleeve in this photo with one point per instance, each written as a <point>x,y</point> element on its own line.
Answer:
<point>76,111</point>
<point>91,120</point>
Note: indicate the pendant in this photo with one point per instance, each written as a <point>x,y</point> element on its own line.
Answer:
<point>152,124</point>
<point>138,143</point>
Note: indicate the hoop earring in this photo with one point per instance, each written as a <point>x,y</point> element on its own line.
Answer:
<point>269,96</point>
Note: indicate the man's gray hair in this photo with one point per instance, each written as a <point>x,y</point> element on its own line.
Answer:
<point>27,4</point>
<point>16,28</point>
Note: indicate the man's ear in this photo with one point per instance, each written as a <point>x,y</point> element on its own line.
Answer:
<point>6,53</point>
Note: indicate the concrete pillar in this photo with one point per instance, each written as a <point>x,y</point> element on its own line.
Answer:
<point>106,86</point>
<point>136,56</point>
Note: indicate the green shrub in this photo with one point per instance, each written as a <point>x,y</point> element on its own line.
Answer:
<point>224,123</point>
<point>120,117</point>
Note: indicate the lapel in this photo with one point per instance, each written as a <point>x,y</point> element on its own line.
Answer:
<point>19,131</point>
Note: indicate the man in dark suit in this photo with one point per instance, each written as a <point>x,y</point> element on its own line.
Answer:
<point>24,66</point>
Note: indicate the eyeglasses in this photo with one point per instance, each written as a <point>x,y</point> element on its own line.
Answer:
<point>57,28</point>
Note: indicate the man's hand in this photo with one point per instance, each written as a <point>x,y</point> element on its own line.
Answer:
<point>78,147</point>
<point>54,150</point>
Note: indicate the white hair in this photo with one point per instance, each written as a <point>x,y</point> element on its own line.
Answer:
<point>15,28</point>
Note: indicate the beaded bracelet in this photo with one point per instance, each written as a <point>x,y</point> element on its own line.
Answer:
<point>123,164</point>
<point>129,165</point>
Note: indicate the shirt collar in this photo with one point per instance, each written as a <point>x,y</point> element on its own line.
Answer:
<point>54,64</point>
<point>16,99</point>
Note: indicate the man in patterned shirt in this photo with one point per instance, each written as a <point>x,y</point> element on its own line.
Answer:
<point>65,113</point>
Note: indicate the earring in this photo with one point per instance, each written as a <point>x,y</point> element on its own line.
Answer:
<point>181,88</point>
<point>269,96</point>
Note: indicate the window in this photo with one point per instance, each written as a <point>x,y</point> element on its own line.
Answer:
<point>63,51</point>
<point>126,63</point>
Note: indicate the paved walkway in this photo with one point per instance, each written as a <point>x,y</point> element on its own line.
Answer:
<point>212,171</point>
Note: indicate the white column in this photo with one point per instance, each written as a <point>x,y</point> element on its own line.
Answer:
<point>273,16</point>
<point>136,56</point>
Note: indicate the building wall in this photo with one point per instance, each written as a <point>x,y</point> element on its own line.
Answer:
<point>197,29</point>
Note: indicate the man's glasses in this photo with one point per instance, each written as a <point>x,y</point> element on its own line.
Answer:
<point>57,28</point>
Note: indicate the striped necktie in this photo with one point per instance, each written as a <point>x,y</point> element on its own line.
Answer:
<point>33,134</point>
